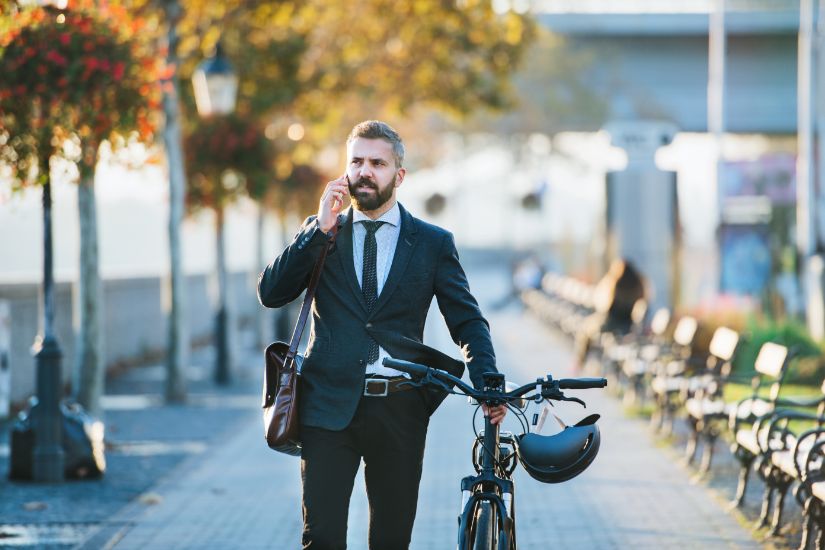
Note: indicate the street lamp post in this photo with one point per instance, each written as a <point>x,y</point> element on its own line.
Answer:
<point>48,457</point>
<point>216,87</point>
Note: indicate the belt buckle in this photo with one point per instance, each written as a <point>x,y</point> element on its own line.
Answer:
<point>369,381</point>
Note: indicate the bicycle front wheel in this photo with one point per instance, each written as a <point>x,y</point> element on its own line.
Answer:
<point>486,527</point>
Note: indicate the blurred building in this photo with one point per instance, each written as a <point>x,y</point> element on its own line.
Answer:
<point>727,226</point>
<point>655,65</point>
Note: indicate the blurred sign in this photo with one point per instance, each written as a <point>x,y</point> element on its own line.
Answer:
<point>746,259</point>
<point>5,355</point>
<point>747,210</point>
<point>770,176</point>
<point>751,194</point>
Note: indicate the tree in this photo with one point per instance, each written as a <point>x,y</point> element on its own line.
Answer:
<point>183,30</point>
<point>79,77</point>
<point>226,156</point>
<point>163,18</point>
<point>551,90</point>
<point>293,195</point>
<point>316,62</point>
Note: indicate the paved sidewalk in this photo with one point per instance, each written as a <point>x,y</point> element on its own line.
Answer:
<point>242,495</point>
<point>145,440</point>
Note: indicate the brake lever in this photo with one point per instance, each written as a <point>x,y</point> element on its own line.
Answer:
<point>559,396</point>
<point>574,399</point>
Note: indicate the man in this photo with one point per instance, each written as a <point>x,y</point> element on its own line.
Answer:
<point>371,303</point>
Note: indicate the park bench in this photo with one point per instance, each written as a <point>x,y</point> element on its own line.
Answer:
<point>671,362</point>
<point>685,380</point>
<point>709,414</point>
<point>811,490</point>
<point>579,296</point>
<point>547,300</point>
<point>563,302</point>
<point>633,360</point>
<point>779,453</point>
<point>614,348</point>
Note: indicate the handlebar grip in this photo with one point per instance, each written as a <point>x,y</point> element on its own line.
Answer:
<point>582,383</point>
<point>405,366</point>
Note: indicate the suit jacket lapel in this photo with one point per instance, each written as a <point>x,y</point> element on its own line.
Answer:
<point>403,254</point>
<point>344,243</point>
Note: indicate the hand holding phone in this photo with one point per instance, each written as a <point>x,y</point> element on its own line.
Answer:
<point>332,202</point>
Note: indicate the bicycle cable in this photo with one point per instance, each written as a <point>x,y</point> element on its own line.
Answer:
<point>498,465</point>
<point>522,418</point>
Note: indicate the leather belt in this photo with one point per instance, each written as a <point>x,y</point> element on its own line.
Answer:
<point>381,387</point>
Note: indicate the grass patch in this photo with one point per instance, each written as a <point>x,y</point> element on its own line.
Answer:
<point>639,411</point>
<point>736,392</point>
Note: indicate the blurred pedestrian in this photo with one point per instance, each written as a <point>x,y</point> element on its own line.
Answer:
<point>525,274</point>
<point>372,302</point>
<point>614,297</point>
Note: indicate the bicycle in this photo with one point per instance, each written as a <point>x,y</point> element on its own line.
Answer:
<point>488,520</point>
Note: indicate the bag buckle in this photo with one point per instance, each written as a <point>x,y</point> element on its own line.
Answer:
<point>380,393</point>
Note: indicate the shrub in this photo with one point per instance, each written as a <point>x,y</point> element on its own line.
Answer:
<point>807,367</point>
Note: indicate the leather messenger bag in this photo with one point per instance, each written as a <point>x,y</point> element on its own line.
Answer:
<point>282,375</point>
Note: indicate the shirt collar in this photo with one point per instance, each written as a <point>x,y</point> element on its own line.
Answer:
<point>391,216</point>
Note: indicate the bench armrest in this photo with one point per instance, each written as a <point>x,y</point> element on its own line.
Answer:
<point>805,472</point>
<point>789,414</point>
<point>778,425</point>
<point>734,420</point>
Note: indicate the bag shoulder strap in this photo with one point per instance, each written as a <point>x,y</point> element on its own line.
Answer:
<point>308,297</point>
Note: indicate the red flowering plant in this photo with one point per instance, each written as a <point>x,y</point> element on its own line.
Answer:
<point>226,157</point>
<point>81,73</point>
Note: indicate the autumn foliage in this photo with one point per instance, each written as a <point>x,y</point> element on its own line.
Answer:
<point>226,156</point>
<point>83,73</point>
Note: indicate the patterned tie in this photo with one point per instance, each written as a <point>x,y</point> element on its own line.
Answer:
<point>369,278</point>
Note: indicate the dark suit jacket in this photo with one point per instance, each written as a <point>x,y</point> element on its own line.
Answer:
<point>425,265</point>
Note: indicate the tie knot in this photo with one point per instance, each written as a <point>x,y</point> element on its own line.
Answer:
<point>372,227</point>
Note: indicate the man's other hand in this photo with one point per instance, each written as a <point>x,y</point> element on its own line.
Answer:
<point>496,414</point>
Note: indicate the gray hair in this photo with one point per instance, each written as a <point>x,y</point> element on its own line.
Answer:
<point>375,129</point>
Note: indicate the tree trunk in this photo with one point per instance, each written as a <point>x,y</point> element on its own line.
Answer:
<point>283,326</point>
<point>260,323</point>
<point>89,364</point>
<point>178,344</point>
<point>223,342</point>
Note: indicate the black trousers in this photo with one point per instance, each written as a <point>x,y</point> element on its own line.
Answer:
<point>388,433</point>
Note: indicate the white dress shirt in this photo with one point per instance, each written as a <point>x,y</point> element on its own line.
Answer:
<point>386,238</point>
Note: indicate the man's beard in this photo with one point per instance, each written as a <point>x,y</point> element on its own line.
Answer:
<point>366,201</point>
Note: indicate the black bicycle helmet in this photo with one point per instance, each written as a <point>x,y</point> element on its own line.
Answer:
<point>562,456</point>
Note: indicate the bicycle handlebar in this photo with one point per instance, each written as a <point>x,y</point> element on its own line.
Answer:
<point>549,387</point>
<point>582,383</point>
